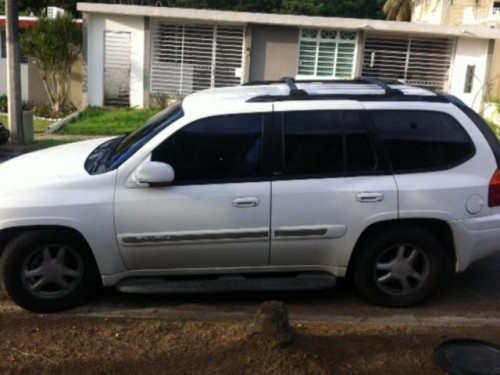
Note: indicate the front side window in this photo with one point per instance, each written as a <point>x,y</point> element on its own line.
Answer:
<point>215,149</point>
<point>327,53</point>
<point>327,143</point>
<point>111,154</point>
<point>422,140</point>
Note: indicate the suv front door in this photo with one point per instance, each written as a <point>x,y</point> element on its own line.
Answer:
<point>216,214</point>
<point>331,183</point>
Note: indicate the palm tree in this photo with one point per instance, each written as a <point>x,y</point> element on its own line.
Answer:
<point>398,10</point>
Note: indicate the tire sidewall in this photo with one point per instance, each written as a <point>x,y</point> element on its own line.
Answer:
<point>364,275</point>
<point>21,248</point>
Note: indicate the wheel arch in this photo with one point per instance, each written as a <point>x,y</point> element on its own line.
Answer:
<point>8,234</point>
<point>439,228</point>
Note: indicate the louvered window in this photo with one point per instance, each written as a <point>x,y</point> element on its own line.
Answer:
<point>187,58</point>
<point>415,61</point>
<point>327,53</point>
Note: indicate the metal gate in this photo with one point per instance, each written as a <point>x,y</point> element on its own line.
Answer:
<point>413,60</point>
<point>187,58</point>
<point>117,68</point>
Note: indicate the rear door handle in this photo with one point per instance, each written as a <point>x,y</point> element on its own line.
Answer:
<point>246,202</point>
<point>369,197</point>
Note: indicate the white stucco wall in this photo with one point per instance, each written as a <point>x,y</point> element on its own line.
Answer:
<point>429,11</point>
<point>3,79</point>
<point>470,52</point>
<point>98,24</point>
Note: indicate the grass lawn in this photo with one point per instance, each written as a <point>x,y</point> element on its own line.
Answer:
<point>99,121</point>
<point>39,125</point>
<point>36,145</point>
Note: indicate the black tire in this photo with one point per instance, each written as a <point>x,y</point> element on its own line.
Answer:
<point>400,267</point>
<point>48,271</point>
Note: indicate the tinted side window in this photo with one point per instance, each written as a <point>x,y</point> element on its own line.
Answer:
<point>360,155</point>
<point>325,143</point>
<point>422,140</point>
<point>217,148</point>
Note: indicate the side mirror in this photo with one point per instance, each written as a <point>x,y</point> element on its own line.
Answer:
<point>154,174</point>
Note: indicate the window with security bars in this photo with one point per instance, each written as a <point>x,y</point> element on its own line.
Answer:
<point>3,45</point>
<point>188,58</point>
<point>416,61</point>
<point>327,53</point>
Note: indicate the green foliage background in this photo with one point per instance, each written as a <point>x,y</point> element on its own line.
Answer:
<point>331,8</point>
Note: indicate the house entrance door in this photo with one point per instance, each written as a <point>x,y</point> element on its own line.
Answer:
<point>117,68</point>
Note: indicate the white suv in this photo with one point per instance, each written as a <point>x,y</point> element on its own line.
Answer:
<point>277,185</point>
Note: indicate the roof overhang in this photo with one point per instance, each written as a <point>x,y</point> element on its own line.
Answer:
<point>244,18</point>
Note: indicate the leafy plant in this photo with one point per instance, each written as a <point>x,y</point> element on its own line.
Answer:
<point>53,45</point>
<point>3,104</point>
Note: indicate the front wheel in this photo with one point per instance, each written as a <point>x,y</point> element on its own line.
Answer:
<point>400,267</point>
<point>46,271</point>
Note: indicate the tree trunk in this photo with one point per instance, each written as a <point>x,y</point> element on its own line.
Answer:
<point>14,72</point>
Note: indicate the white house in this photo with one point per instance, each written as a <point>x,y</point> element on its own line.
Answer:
<point>24,22</point>
<point>136,52</point>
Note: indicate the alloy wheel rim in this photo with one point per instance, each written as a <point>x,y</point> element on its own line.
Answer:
<point>52,271</point>
<point>401,269</point>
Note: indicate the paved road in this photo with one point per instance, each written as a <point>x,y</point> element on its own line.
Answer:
<point>474,294</point>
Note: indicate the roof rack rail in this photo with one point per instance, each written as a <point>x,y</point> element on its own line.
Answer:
<point>294,90</point>
<point>388,90</point>
<point>291,83</point>
<point>297,93</point>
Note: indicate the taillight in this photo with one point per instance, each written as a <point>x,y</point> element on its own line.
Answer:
<point>494,192</point>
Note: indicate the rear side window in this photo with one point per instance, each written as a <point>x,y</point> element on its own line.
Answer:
<point>326,143</point>
<point>422,140</point>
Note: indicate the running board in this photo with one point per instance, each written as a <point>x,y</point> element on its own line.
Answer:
<point>227,284</point>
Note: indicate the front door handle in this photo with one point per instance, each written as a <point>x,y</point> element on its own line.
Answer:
<point>369,197</point>
<point>246,202</point>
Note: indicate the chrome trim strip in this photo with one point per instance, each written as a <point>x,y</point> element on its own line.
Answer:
<point>151,239</point>
<point>300,232</point>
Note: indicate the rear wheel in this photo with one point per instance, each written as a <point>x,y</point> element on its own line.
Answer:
<point>400,267</point>
<point>46,271</point>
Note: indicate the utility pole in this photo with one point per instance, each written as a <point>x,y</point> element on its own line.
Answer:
<point>14,71</point>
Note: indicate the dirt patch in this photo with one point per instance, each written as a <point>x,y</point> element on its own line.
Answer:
<point>55,344</point>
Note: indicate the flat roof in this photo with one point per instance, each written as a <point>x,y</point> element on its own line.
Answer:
<point>243,18</point>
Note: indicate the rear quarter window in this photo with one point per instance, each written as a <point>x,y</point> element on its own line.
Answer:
<point>422,140</point>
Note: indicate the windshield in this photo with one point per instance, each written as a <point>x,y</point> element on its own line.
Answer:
<point>111,154</point>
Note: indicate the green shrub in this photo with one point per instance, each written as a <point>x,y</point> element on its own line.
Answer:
<point>3,103</point>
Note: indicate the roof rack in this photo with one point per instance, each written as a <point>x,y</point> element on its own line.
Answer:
<point>295,93</point>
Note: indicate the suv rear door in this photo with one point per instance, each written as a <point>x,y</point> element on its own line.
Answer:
<point>331,181</point>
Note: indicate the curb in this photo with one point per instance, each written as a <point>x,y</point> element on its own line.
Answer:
<point>186,315</point>
<point>64,121</point>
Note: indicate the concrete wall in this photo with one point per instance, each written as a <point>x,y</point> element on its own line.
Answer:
<point>430,11</point>
<point>465,11</point>
<point>36,91</point>
<point>451,12</point>
<point>97,25</point>
<point>274,52</point>
<point>470,52</point>
<point>494,74</point>
<point>24,79</point>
